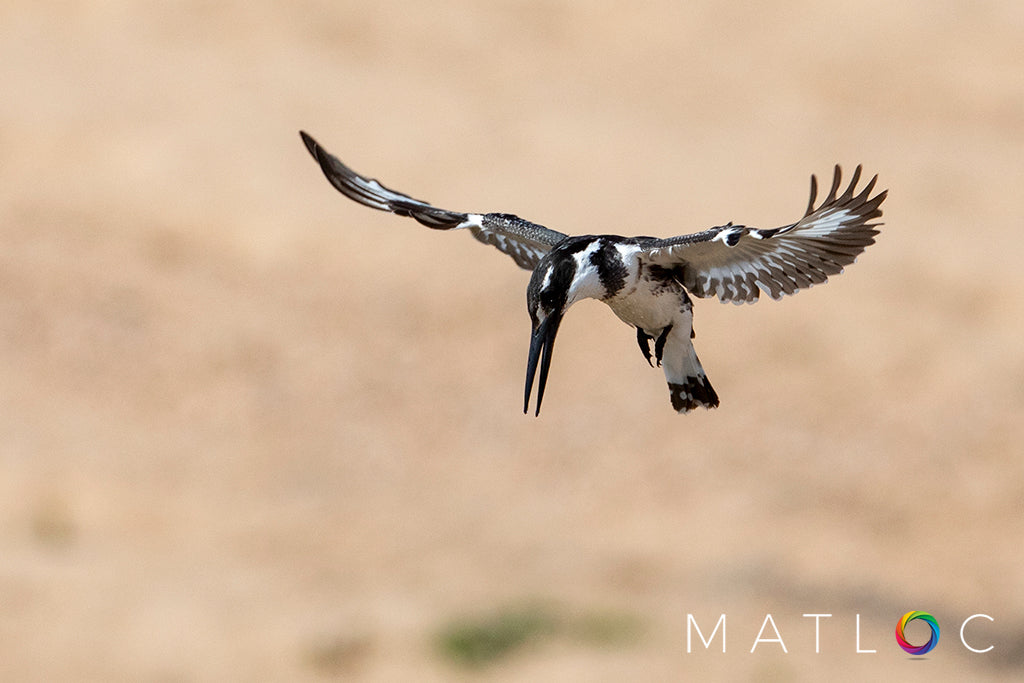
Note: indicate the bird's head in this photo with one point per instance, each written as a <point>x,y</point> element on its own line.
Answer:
<point>565,275</point>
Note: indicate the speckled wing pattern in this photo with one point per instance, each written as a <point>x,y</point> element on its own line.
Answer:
<point>524,241</point>
<point>736,262</point>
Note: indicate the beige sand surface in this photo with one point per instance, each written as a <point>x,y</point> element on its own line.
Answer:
<point>252,431</point>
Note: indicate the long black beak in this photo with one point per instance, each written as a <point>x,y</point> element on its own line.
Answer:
<point>543,340</point>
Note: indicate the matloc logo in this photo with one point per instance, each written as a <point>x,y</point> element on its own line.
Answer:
<point>770,633</point>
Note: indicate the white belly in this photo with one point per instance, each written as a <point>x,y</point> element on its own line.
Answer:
<point>649,309</point>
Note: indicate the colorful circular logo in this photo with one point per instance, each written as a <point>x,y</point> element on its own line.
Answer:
<point>914,649</point>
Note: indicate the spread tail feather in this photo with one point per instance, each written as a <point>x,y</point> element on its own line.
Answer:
<point>687,382</point>
<point>694,392</point>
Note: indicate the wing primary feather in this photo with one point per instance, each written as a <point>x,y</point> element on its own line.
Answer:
<point>814,195</point>
<point>738,264</point>
<point>866,192</point>
<point>848,195</point>
<point>837,178</point>
<point>520,239</point>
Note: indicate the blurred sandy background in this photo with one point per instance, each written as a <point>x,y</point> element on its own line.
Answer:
<point>250,430</point>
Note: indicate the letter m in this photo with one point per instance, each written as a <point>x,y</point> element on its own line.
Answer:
<point>691,626</point>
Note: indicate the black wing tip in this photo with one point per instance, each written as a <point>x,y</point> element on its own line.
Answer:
<point>330,165</point>
<point>863,197</point>
<point>310,143</point>
<point>814,195</point>
<point>343,178</point>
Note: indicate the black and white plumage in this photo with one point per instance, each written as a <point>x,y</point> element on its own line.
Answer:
<point>647,281</point>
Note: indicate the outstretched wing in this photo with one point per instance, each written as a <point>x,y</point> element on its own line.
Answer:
<point>735,262</point>
<point>524,241</point>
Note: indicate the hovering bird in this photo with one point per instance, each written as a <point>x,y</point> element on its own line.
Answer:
<point>647,281</point>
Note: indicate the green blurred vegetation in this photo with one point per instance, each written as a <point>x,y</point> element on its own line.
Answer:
<point>483,639</point>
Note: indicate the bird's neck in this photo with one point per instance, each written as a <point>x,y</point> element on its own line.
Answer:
<point>602,270</point>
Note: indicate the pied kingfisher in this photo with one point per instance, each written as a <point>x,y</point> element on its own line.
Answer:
<point>647,280</point>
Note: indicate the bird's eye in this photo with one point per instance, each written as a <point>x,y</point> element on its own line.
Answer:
<point>548,300</point>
